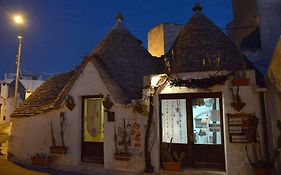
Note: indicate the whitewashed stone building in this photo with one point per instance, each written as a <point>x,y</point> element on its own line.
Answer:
<point>95,102</point>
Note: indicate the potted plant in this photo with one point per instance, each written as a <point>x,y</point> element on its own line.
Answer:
<point>240,78</point>
<point>40,159</point>
<point>122,155</point>
<point>54,148</point>
<point>264,167</point>
<point>237,103</point>
<point>171,159</point>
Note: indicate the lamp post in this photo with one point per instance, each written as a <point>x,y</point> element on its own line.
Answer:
<point>19,21</point>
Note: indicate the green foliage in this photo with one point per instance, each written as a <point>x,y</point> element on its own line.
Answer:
<point>141,107</point>
<point>166,153</point>
<point>235,97</point>
<point>116,141</point>
<point>200,83</point>
<point>267,163</point>
<point>179,156</point>
<point>125,137</point>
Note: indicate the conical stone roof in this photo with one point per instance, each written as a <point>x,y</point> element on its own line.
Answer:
<point>125,61</point>
<point>202,46</point>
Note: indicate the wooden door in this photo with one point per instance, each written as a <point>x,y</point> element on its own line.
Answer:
<point>92,129</point>
<point>195,123</point>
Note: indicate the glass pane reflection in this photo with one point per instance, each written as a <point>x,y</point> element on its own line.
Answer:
<point>206,121</point>
<point>174,120</point>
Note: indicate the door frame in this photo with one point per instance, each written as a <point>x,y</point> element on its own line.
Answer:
<point>82,124</point>
<point>189,97</point>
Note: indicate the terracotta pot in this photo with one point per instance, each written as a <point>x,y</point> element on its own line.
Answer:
<point>262,171</point>
<point>241,82</point>
<point>172,166</point>
<point>238,106</point>
<point>39,161</point>
<point>122,156</point>
<point>58,149</point>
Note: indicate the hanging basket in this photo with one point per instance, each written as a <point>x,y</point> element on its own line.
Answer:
<point>238,106</point>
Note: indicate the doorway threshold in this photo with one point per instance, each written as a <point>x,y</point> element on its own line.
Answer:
<point>194,171</point>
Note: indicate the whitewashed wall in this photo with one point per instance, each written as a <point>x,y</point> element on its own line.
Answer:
<point>31,135</point>
<point>235,157</point>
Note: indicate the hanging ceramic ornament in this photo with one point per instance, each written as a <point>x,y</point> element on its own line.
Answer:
<point>70,102</point>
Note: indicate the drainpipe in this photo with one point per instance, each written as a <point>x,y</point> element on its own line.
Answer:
<point>265,124</point>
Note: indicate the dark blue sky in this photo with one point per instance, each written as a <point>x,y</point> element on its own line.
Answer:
<point>58,33</point>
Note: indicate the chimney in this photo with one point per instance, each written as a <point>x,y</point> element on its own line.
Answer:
<point>4,90</point>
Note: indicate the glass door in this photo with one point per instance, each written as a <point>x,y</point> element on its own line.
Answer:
<point>206,121</point>
<point>194,123</point>
<point>92,130</point>
<point>174,124</point>
<point>207,131</point>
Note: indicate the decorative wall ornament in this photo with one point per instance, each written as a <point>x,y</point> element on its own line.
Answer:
<point>136,135</point>
<point>200,83</point>
<point>59,149</point>
<point>107,103</point>
<point>237,103</point>
<point>70,104</point>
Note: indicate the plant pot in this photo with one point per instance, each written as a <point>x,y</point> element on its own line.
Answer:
<point>262,170</point>
<point>39,161</point>
<point>122,156</point>
<point>58,149</point>
<point>172,166</point>
<point>238,106</point>
<point>241,82</point>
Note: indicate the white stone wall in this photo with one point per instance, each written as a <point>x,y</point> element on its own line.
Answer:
<point>235,157</point>
<point>31,135</point>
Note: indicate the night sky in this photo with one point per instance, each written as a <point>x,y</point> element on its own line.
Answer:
<point>58,33</point>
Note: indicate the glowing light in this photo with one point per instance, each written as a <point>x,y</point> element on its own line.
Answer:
<point>18,19</point>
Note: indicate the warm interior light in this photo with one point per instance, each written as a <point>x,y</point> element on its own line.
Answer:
<point>18,19</point>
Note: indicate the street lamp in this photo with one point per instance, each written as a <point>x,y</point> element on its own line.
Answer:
<point>18,20</point>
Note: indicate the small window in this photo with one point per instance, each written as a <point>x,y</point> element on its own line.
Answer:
<point>4,118</point>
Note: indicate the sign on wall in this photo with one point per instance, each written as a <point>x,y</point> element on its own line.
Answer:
<point>242,127</point>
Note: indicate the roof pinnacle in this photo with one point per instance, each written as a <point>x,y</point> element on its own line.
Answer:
<point>119,17</point>
<point>197,7</point>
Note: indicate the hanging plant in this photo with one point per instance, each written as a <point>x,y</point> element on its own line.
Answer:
<point>141,107</point>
